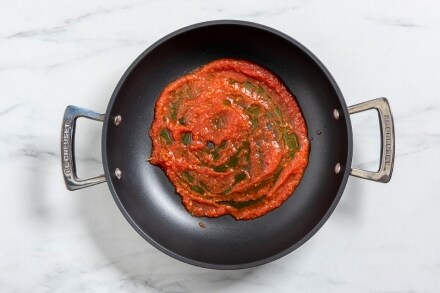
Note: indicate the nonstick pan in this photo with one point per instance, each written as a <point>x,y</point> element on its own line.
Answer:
<point>149,201</point>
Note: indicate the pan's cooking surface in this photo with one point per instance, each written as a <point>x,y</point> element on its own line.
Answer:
<point>147,198</point>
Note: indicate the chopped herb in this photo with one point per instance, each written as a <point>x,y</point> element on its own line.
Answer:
<point>197,189</point>
<point>182,121</point>
<point>173,112</point>
<point>214,150</point>
<point>277,172</point>
<point>187,138</point>
<point>203,185</point>
<point>233,161</point>
<point>188,176</point>
<point>253,109</point>
<point>260,90</point>
<point>215,155</point>
<point>248,85</point>
<point>166,135</point>
<point>227,191</point>
<point>221,168</point>
<point>240,204</point>
<point>291,141</point>
<point>231,81</point>
<point>254,122</point>
<point>260,185</point>
<point>278,112</point>
<point>240,176</point>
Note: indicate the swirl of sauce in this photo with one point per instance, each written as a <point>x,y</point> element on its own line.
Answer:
<point>231,138</point>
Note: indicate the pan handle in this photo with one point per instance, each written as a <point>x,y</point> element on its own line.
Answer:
<point>387,140</point>
<point>67,148</point>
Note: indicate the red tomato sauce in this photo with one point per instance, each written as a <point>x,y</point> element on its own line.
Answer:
<point>231,138</point>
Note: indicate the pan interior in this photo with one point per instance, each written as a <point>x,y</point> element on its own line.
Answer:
<point>147,198</point>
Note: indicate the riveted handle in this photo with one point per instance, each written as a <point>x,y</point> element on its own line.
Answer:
<point>387,140</point>
<point>67,148</point>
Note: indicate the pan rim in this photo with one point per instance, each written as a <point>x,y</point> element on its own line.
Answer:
<point>109,175</point>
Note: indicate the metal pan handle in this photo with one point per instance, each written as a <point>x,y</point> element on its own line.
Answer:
<point>387,140</point>
<point>67,148</point>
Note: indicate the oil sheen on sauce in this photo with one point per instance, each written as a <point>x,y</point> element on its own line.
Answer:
<point>231,138</point>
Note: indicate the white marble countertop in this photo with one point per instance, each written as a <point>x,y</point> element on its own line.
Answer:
<point>381,237</point>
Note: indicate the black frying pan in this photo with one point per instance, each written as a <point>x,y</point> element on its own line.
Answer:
<point>147,198</point>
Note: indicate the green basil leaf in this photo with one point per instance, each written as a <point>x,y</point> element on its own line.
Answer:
<point>166,135</point>
<point>187,138</point>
